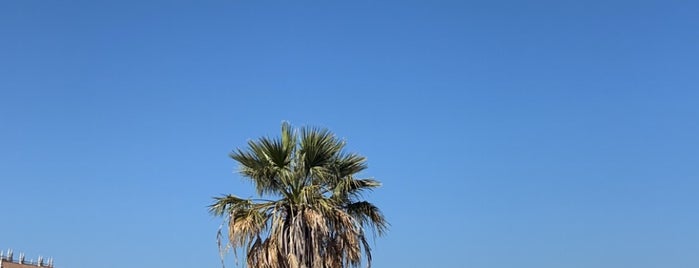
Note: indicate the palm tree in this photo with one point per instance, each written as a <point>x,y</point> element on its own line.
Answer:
<point>310,212</point>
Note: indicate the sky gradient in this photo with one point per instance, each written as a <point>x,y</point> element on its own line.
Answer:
<point>540,134</point>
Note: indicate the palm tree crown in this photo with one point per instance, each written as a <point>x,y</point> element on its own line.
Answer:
<point>317,218</point>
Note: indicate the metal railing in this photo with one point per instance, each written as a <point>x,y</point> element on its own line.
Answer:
<point>41,262</point>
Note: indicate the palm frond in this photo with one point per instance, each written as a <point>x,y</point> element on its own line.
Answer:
<point>319,147</point>
<point>350,187</point>
<point>227,203</point>
<point>368,215</point>
<point>348,164</point>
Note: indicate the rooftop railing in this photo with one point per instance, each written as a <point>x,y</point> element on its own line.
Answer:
<point>41,262</point>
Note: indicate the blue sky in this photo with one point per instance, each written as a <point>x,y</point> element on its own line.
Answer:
<point>539,134</point>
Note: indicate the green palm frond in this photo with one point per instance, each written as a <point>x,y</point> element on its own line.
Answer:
<point>348,164</point>
<point>227,203</point>
<point>349,187</point>
<point>318,147</point>
<point>368,215</point>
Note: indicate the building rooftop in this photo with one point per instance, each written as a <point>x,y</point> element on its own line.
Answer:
<point>7,260</point>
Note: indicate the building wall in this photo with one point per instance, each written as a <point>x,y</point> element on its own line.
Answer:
<point>6,264</point>
<point>16,265</point>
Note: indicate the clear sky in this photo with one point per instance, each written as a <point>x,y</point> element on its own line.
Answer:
<point>539,134</point>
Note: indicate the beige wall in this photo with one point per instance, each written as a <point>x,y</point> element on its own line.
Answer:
<point>6,264</point>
